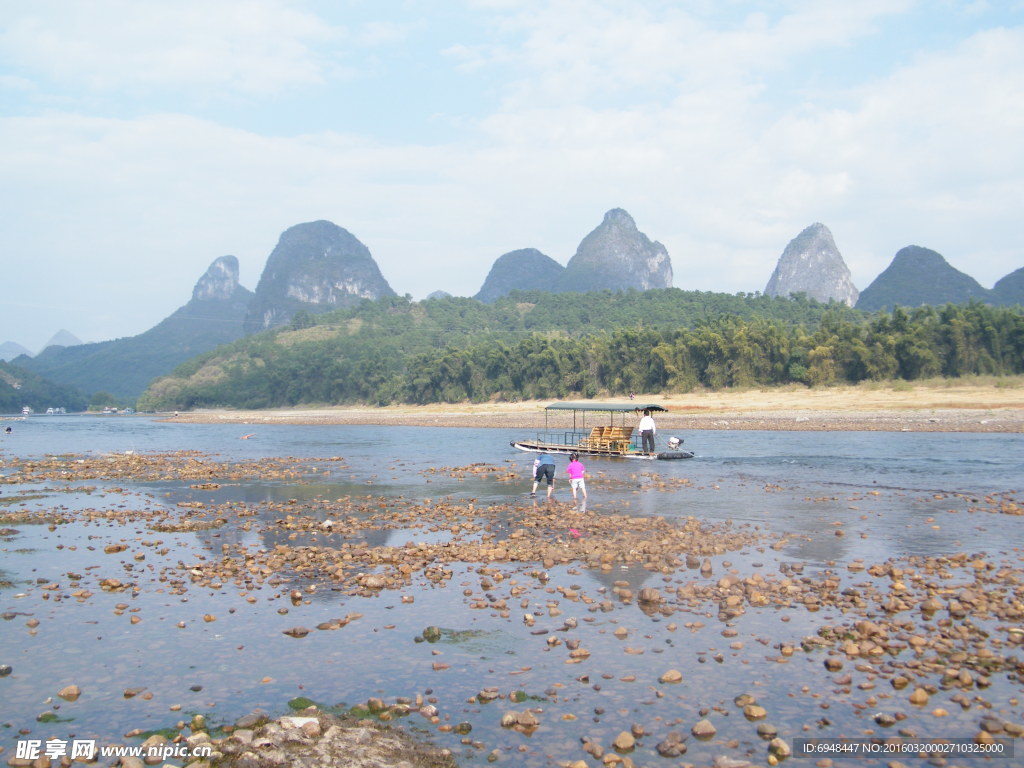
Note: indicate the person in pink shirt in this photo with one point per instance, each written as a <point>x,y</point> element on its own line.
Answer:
<point>577,474</point>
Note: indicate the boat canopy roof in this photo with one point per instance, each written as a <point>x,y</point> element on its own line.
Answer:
<point>604,407</point>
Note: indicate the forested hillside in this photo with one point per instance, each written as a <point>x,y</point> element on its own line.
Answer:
<point>537,345</point>
<point>20,387</point>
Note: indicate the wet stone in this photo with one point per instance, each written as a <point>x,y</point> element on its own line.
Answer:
<point>70,692</point>
<point>767,731</point>
<point>703,729</point>
<point>671,676</point>
<point>624,742</point>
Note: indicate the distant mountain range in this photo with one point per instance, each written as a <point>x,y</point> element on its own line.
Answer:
<point>811,264</point>
<point>616,256</point>
<point>123,367</point>
<point>318,266</point>
<point>9,350</point>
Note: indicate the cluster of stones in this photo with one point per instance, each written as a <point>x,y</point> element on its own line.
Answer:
<point>673,744</point>
<point>352,565</point>
<point>308,739</point>
<point>177,465</point>
<point>479,470</point>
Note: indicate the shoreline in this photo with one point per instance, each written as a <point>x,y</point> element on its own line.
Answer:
<point>966,408</point>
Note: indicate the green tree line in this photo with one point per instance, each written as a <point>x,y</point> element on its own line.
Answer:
<point>529,346</point>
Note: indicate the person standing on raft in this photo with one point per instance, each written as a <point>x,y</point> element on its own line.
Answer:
<point>648,430</point>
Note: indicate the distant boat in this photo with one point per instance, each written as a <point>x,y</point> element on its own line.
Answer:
<point>613,440</point>
<point>26,411</point>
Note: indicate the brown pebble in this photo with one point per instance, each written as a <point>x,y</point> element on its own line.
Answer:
<point>70,692</point>
<point>919,696</point>
<point>703,729</point>
<point>624,742</point>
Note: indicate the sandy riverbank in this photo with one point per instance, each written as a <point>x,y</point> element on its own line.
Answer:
<point>952,407</point>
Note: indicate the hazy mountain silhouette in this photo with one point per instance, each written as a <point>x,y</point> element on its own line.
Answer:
<point>124,367</point>
<point>523,270</point>
<point>315,267</point>
<point>919,276</point>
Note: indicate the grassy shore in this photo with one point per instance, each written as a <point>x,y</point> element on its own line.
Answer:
<point>961,405</point>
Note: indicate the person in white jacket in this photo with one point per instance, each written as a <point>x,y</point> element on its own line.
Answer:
<point>648,430</point>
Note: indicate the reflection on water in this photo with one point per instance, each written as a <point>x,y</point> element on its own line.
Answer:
<point>823,501</point>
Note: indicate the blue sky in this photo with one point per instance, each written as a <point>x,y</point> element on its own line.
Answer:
<point>142,139</point>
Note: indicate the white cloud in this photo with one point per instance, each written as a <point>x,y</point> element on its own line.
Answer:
<point>928,155</point>
<point>577,52</point>
<point>702,125</point>
<point>254,46</point>
<point>920,151</point>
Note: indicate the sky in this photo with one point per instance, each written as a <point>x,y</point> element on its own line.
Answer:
<point>140,140</point>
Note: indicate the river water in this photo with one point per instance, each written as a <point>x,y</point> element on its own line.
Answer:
<point>895,496</point>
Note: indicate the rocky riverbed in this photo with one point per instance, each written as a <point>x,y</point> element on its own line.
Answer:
<point>910,647</point>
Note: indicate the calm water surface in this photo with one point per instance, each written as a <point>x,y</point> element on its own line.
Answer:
<point>896,495</point>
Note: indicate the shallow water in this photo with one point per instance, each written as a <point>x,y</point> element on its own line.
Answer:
<point>893,495</point>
